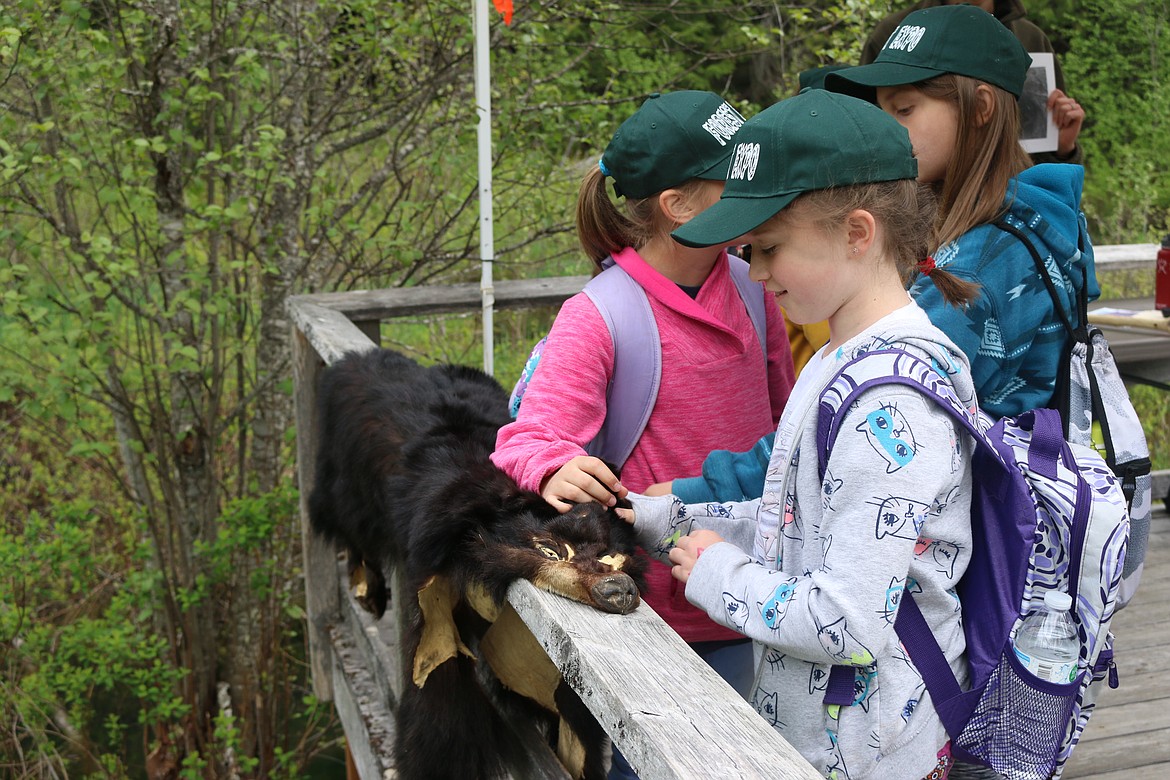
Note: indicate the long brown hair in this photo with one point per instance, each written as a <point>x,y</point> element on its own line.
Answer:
<point>603,229</point>
<point>986,156</point>
<point>906,211</point>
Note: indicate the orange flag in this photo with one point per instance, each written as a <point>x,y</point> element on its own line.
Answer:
<point>504,7</point>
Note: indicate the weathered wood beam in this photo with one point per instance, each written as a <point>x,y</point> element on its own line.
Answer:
<point>670,714</point>
<point>414,301</point>
<point>1124,257</point>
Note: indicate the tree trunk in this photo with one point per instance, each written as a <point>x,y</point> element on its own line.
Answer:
<point>193,503</point>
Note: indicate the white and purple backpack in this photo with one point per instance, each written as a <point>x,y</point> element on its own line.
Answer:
<point>1094,404</point>
<point>1045,514</point>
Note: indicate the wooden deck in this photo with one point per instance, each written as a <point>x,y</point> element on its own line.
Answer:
<point>1129,734</point>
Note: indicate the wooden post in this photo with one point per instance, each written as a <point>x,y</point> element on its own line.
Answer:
<point>322,588</point>
<point>318,558</point>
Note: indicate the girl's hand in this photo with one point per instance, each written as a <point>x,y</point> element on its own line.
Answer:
<point>687,550</point>
<point>584,478</point>
<point>1068,116</point>
<point>659,489</point>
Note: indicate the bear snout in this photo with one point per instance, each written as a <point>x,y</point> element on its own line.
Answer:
<point>616,593</point>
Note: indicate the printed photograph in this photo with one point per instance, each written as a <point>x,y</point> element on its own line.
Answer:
<point>1037,130</point>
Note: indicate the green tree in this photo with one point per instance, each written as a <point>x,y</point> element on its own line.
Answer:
<point>1116,67</point>
<point>169,174</point>
<point>1110,52</point>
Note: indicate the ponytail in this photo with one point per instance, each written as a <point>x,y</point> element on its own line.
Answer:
<point>601,228</point>
<point>604,230</point>
<point>955,291</point>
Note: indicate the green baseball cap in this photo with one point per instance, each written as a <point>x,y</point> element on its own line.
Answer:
<point>814,78</point>
<point>671,139</point>
<point>813,141</point>
<point>960,39</point>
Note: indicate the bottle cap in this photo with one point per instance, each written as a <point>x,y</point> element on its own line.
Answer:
<point>1057,600</point>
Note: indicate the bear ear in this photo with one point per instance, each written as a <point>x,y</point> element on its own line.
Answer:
<point>518,502</point>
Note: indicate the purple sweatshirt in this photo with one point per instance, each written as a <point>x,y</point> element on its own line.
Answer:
<point>717,392</point>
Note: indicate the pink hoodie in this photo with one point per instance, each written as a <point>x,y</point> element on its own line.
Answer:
<point>717,392</point>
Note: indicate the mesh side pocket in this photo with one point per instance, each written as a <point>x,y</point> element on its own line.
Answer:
<point>1020,721</point>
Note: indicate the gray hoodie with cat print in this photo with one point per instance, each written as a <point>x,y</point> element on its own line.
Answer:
<point>814,571</point>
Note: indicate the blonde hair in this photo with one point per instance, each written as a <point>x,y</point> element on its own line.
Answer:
<point>603,229</point>
<point>906,211</point>
<point>985,159</point>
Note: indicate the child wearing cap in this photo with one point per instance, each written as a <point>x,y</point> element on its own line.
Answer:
<point>718,388</point>
<point>739,476</point>
<point>823,188</point>
<point>952,75</point>
<point>1067,114</point>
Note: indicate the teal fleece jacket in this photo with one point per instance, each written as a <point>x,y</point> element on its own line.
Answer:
<point>1011,334</point>
<point>728,476</point>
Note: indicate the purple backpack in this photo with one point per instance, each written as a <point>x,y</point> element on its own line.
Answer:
<point>1045,514</point>
<point>637,369</point>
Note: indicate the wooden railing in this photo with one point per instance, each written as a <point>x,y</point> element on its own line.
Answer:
<point>1125,257</point>
<point>669,713</point>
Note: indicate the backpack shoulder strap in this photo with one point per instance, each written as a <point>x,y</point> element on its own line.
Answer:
<point>862,373</point>
<point>888,367</point>
<point>1042,269</point>
<point>753,298</point>
<point>637,370</point>
<point>885,367</point>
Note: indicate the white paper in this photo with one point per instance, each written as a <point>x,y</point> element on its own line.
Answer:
<point>1037,130</point>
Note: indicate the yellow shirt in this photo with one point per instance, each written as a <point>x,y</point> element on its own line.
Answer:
<point>806,340</point>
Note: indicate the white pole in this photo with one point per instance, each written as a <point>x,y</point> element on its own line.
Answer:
<point>483,105</point>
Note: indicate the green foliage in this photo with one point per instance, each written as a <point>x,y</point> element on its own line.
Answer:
<point>1153,408</point>
<point>1116,65</point>
<point>86,670</point>
<point>77,624</point>
<point>248,525</point>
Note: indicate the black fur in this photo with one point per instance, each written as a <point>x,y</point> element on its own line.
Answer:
<point>403,479</point>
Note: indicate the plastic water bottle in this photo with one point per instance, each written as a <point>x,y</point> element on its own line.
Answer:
<point>1047,642</point>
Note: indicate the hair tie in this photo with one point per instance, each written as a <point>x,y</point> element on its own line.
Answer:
<point>604,171</point>
<point>926,266</point>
